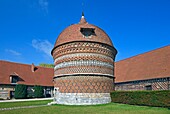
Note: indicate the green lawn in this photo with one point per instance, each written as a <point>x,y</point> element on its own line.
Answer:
<point>112,108</point>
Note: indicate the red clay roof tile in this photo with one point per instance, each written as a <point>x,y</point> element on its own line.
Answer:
<point>72,33</point>
<point>153,64</point>
<point>41,76</point>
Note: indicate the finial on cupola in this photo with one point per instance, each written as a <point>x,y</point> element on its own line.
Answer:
<point>82,14</point>
<point>83,20</point>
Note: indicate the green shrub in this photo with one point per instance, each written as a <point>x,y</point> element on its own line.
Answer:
<point>20,91</point>
<point>147,98</point>
<point>38,91</point>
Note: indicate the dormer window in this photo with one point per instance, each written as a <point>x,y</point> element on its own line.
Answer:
<point>87,32</point>
<point>14,78</point>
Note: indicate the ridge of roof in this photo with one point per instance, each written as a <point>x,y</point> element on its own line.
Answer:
<point>24,64</point>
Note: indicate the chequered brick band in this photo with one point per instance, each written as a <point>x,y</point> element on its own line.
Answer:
<point>84,84</point>
<point>83,47</point>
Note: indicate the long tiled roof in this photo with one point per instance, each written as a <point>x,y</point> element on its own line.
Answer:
<point>153,64</point>
<point>36,76</point>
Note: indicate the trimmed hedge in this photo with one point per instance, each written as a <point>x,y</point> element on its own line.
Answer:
<point>20,91</point>
<point>39,91</point>
<point>146,98</point>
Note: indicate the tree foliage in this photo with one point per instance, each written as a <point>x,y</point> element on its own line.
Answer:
<point>20,91</point>
<point>46,65</point>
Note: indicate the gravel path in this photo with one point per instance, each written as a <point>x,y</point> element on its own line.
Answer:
<point>18,100</point>
<point>13,108</point>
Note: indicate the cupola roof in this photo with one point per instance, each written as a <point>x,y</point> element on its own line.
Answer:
<point>83,31</point>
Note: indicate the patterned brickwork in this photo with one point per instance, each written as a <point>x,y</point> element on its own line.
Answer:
<point>84,47</point>
<point>153,84</point>
<point>83,69</point>
<point>83,57</point>
<point>84,65</point>
<point>84,84</point>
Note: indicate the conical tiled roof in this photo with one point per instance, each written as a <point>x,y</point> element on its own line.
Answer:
<point>75,32</point>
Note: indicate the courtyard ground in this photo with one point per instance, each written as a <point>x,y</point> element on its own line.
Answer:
<point>111,108</point>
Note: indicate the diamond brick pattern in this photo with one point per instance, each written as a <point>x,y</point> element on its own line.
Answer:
<point>84,84</point>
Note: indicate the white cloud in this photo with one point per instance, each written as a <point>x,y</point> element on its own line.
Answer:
<point>42,45</point>
<point>43,5</point>
<point>13,52</point>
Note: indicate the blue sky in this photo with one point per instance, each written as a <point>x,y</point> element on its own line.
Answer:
<point>29,28</point>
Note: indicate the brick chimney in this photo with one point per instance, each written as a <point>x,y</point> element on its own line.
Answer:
<point>33,67</point>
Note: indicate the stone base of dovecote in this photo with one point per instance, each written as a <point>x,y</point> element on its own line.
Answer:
<point>82,98</point>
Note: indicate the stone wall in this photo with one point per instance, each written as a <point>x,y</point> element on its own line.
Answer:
<point>82,98</point>
<point>4,94</point>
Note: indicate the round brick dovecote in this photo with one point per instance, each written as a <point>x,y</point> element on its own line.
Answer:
<point>84,65</point>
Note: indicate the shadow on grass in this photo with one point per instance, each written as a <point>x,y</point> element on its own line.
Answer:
<point>99,105</point>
